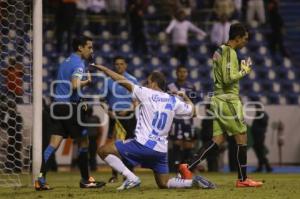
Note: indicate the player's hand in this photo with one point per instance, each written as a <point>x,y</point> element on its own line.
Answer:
<point>100,67</point>
<point>181,94</point>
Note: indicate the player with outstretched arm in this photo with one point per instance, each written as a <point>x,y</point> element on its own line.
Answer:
<point>149,147</point>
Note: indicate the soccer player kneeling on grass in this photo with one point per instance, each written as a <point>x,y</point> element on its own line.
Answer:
<point>149,148</point>
<point>227,107</point>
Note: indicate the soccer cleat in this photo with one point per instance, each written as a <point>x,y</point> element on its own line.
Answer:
<point>41,185</point>
<point>185,172</point>
<point>129,184</point>
<point>203,183</point>
<point>91,183</point>
<point>248,183</point>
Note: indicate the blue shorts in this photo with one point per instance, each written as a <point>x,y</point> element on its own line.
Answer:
<point>134,153</point>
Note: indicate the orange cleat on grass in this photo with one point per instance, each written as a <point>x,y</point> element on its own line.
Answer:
<point>248,183</point>
<point>185,172</point>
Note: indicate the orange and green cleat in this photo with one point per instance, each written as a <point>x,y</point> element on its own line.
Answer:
<point>185,172</point>
<point>248,183</point>
<point>41,185</point>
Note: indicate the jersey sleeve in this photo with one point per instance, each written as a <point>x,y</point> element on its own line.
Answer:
<point>140,93</point>
<point>78,72</point>
<point>183,109</point>
<point>230,67</point>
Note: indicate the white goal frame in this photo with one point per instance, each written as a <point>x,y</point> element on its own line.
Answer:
<point>37,86</point>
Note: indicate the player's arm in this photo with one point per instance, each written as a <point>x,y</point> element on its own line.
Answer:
<point>170,27</point>
<point>230,70</point>
<point>197,30</point>
<point>78,83</point>
<point>187,100</point>
<point>115,76</point>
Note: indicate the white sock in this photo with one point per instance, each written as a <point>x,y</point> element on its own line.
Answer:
<point>179,183</point>
<point>119,166</point>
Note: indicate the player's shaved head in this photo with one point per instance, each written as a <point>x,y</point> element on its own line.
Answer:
<point>159,79</point>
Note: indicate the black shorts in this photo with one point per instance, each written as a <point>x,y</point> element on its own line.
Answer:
<point>70,126</point>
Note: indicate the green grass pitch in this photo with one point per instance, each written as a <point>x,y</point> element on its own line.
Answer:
<point>66,185</point>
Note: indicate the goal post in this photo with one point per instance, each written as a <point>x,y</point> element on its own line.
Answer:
<point>21,65</point>
<point>37,86</point>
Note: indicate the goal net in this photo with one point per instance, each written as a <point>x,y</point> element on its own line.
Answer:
<point>16,86</point>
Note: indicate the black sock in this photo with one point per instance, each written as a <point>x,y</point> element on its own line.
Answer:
<point>83,162</point>
<point>49,151</point>
<point>242,161</point>
<point>209,148</point>
<point>187,155</point>
<point>177,155</point>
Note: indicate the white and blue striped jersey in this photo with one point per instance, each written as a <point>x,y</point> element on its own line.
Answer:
<point>155,116</point>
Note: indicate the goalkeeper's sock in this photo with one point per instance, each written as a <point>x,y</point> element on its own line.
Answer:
<point>119,166</point>
<point>83,163</point>
<point>45,163</point>
<point>179,183</point>
<point>209,148</point>
<point>242,162</point>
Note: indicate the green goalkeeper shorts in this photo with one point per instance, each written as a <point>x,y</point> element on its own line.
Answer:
<point>228,116</point>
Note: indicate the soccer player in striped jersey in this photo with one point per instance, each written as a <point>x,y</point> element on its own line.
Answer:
<point>226,105</point>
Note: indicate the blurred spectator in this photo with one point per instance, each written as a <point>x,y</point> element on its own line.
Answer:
<point>82,6</point>
<point>238,9</point>
<point>95,8</point>
<point>186,5</point>
<point>136,10</point>
<point>115,9</point>
<point>117,6</point>
<point>13,80</point>
<point>179,28</point>
<point>256,7</point>
<point>224,7</point>
<point>182,135</point>
<point>220,32</point>
<point>277,29</point>
<point>65,21</point>
<point>259,129</point>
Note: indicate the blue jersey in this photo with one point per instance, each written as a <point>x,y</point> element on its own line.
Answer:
<point>71,67</point>
<point>118,97</point>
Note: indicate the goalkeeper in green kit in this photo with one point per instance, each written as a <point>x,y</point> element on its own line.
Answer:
<point>227,107</point>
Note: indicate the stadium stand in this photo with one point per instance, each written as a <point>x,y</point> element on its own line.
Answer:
<point>276,80</point>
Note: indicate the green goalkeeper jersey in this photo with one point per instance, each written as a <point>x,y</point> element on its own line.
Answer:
<point>226,72</point>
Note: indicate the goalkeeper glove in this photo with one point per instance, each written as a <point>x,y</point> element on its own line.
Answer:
<point>246,67</point>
